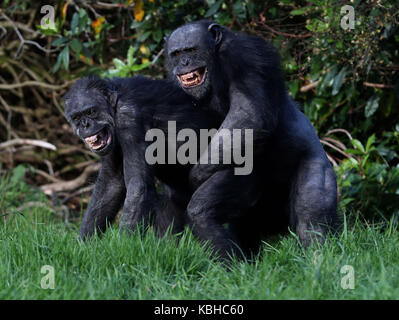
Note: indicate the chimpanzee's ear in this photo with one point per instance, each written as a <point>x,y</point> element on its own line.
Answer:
<point>112,96</point>
<point>165,45</point>
<point>110,91</point>
<point>217,32</point>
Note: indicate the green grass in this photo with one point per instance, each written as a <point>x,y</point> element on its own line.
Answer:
<point>145,267</point>
<point>120,267</point>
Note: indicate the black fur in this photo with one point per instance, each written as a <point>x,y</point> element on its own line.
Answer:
<point>293,183</point>
<point>128,108</point>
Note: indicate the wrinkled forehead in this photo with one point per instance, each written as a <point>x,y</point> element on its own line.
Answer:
<point>81,99</point>
<point>186,37</point>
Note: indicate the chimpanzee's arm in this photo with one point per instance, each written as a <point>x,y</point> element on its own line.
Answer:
<point>107,198</point>
<point>248,110</point>
<point>141,198</point>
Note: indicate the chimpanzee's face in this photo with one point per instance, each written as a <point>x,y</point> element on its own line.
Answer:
<point>190,58</point>
<point>91,117</point>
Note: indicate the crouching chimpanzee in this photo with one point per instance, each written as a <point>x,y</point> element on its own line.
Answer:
<point>237,77</point>
<point>112,117</point>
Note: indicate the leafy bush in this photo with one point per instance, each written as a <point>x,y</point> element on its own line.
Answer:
<point>343,79</point>
<point>16,194</point>
<point>370,186</point>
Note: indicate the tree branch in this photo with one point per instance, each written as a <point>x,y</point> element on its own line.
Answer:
<point>37,143</point>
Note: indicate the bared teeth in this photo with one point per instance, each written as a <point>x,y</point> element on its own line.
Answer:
<point>99,140</point>
<point>93,142</point>
<point>187,76</point>
<point>98,146</point>
<point>192,78</point>
<point>91,139</point>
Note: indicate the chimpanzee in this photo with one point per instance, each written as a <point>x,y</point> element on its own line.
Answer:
<point>112,117</point>
<point>238,78</point>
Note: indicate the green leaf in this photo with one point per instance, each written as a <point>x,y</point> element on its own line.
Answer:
<point>130,56</point>
<point>65,57</point>
<point>47,31</point>
<point>74,22</point>
<point>119,64</point>
<point>353,151</point>
<point>57,65</point>
<point>328,79</point>
<point>139,67</point>
<point>357,144</point>
<point>83,20</point>
<point>239,9</point>
<point>144,36</point>
<point>59,42</point>
<point>353,161</point>
<point>76,46</point>
<point>346,201</point>
<point>294,87</point>
<point>273,11</point>
<point>338,81</point>
<point>213,9</point>
<point>251,9</point>
<point>364,160</point>
<point>85,50</point>
<point>298,12</point>
<point>371,106</point>
<point>157,35</point>
<point>136,24</point>
<point>370,142</point>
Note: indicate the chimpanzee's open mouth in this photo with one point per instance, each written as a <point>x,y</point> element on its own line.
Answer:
<point>192,78</point>
<point>99,140</point>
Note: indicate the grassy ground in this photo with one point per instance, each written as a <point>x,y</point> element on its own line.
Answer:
<point>120,267</point>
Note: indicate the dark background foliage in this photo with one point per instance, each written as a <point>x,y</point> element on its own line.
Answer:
<point>346,82</point>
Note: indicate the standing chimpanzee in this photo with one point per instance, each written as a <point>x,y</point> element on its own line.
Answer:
<point>237,77</point>
<point>112,117</point>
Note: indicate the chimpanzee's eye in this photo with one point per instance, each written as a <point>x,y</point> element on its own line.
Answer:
<point>91,112</point>
<point>175,53</point>
<point>76,118</point>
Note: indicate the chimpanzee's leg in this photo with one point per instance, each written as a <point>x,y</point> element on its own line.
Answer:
<point>313,201</point>
<point>107,198</point>
<point>173,210</point>
<point>220,199</point>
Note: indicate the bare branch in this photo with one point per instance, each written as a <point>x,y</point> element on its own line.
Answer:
<point>73,184</point>
<point>339,144</point>
<point>78,192</point>
<point>37,143</point>
<point>34,204</point>
<point>105,5</point>
<point>157,57</point>
<point>334,163</point>
<point>46,175</point>
<point>335,148</point>
<point>4,32</point>
<point>284,34</point>
<point>340,130</point>
<point>33,83</point>
<point>377,85</point>
<point>309,86</point>
<point>24,41</point>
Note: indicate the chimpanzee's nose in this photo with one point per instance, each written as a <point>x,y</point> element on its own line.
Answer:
<point>185,61</point>
<point>85,123</point>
